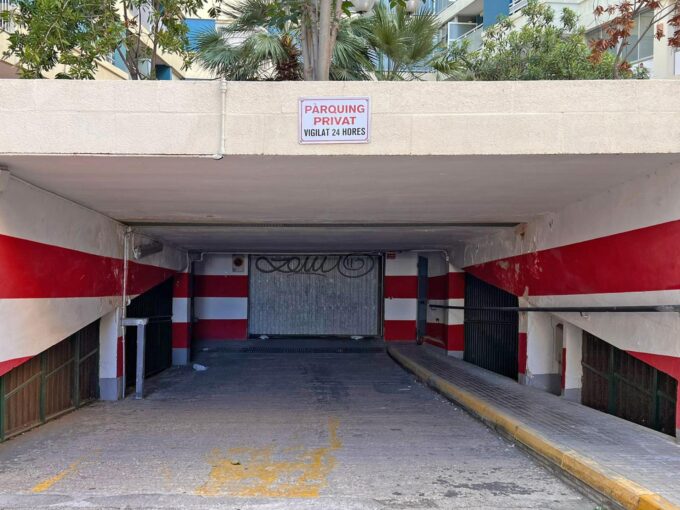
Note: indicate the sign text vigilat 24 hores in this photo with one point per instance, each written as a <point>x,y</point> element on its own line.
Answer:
<point>334,120</point>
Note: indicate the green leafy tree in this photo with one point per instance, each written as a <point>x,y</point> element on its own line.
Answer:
<point>152,26</point>
<point>73,33</point>
<point>81,33</point>
<point>263,40</point>
<point>538,50</point>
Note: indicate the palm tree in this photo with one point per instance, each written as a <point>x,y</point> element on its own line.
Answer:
<point>404,46</point>
<point>261,42</point>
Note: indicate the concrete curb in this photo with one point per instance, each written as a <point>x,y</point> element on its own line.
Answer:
<point>606,482</point>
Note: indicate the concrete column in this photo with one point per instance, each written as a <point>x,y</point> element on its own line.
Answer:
<point>677,415</point>
<point>401,296</point>
<point>543,354</point>
<point>522,345</point>
<point>437,292</point>
<point>111,357</point>
<point>573,370</point>
<point>455,333</point>
<point>181,320</point>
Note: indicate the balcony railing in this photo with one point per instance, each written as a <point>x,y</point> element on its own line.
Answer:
<point>7,26</point>
<point>474,36</point>
<point>516,5</point>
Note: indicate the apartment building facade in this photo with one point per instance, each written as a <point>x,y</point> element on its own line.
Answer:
<point>113,67</point>
<point>467,20</point>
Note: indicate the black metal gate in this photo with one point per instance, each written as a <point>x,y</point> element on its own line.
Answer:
<point>491,337</point>
<point>620,384</point>
<point>56,381</point>
<point>156,304</point>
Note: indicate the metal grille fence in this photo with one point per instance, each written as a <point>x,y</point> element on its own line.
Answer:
<point>58,380</point>
<point>620,384</point>
<point>491,336</point>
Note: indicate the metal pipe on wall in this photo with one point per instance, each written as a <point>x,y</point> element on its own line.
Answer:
<point>565,309</point>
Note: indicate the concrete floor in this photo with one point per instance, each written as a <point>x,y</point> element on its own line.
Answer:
<point>294,431</point>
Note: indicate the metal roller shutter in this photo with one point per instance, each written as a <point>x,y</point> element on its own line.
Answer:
<point>315,295</point>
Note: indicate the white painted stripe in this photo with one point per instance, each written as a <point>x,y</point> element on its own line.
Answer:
<point>436,265</point>
<point>96,234</point>
<point>436,315</point>
<point>405,264</point>
<point>635,204</point>
<point>221,308</point>
<point>400,309</point>
<point>180,309</point>
<point>219,264</point>
<point>29,326</point>
<point>655,333</point>
<point>455,316</point>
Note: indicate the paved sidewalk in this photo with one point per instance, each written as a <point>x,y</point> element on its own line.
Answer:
<point>635,466</point>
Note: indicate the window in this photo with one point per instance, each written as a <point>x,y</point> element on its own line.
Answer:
<point>645,49</point>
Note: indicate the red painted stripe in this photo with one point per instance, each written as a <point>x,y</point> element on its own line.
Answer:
<point>120,358</point>
<point>400,330</point>
<point>438,287</point>
<point>522,354</point>
<point>667,364</point>
<point>435,341</point>
<point>181,287</point>
<point>37,270</point>
<point>220,286</point>
<point>436,330</point>
<point>180,335</point>
<point>455,337</point>
<point>142,277</point>
<point>635,261</point>
<point>456,286</point>
<point>401,287</point>
<point>6,366</point>
<point>221,329</point>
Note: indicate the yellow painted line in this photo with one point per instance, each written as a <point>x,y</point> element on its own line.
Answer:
<point>292,472</point>
<point>625,492</point>
<point>46,484</point>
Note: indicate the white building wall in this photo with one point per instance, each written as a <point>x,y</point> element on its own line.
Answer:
<point>63,268</point>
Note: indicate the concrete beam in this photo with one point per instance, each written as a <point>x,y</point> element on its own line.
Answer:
<point>458,118</point>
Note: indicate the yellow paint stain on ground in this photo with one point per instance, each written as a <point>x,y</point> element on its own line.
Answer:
<point>46,484</point>
<point>296,472</point>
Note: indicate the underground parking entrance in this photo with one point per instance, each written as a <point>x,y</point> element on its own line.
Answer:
<point>277,429</point>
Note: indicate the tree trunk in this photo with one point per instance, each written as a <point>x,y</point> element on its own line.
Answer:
<point>323,62</point>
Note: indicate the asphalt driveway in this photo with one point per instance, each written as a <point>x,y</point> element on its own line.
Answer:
<point>277,430</point>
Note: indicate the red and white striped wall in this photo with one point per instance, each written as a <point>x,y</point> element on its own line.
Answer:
<point>181,319</point>
<point>614,248</point>
<point>437,294</point>
<point>221,297</point>
<point>401,296</point>
<point>62,267</point>
<point>446,286</point>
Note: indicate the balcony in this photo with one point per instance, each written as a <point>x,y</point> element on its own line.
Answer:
<point>516,5</point>
<point>6,26</point>
<point>470,31</point>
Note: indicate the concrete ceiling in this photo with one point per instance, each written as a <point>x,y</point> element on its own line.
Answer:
<point>201,203</point>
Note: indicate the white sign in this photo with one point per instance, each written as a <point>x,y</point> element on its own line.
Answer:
<point>334,119</point>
